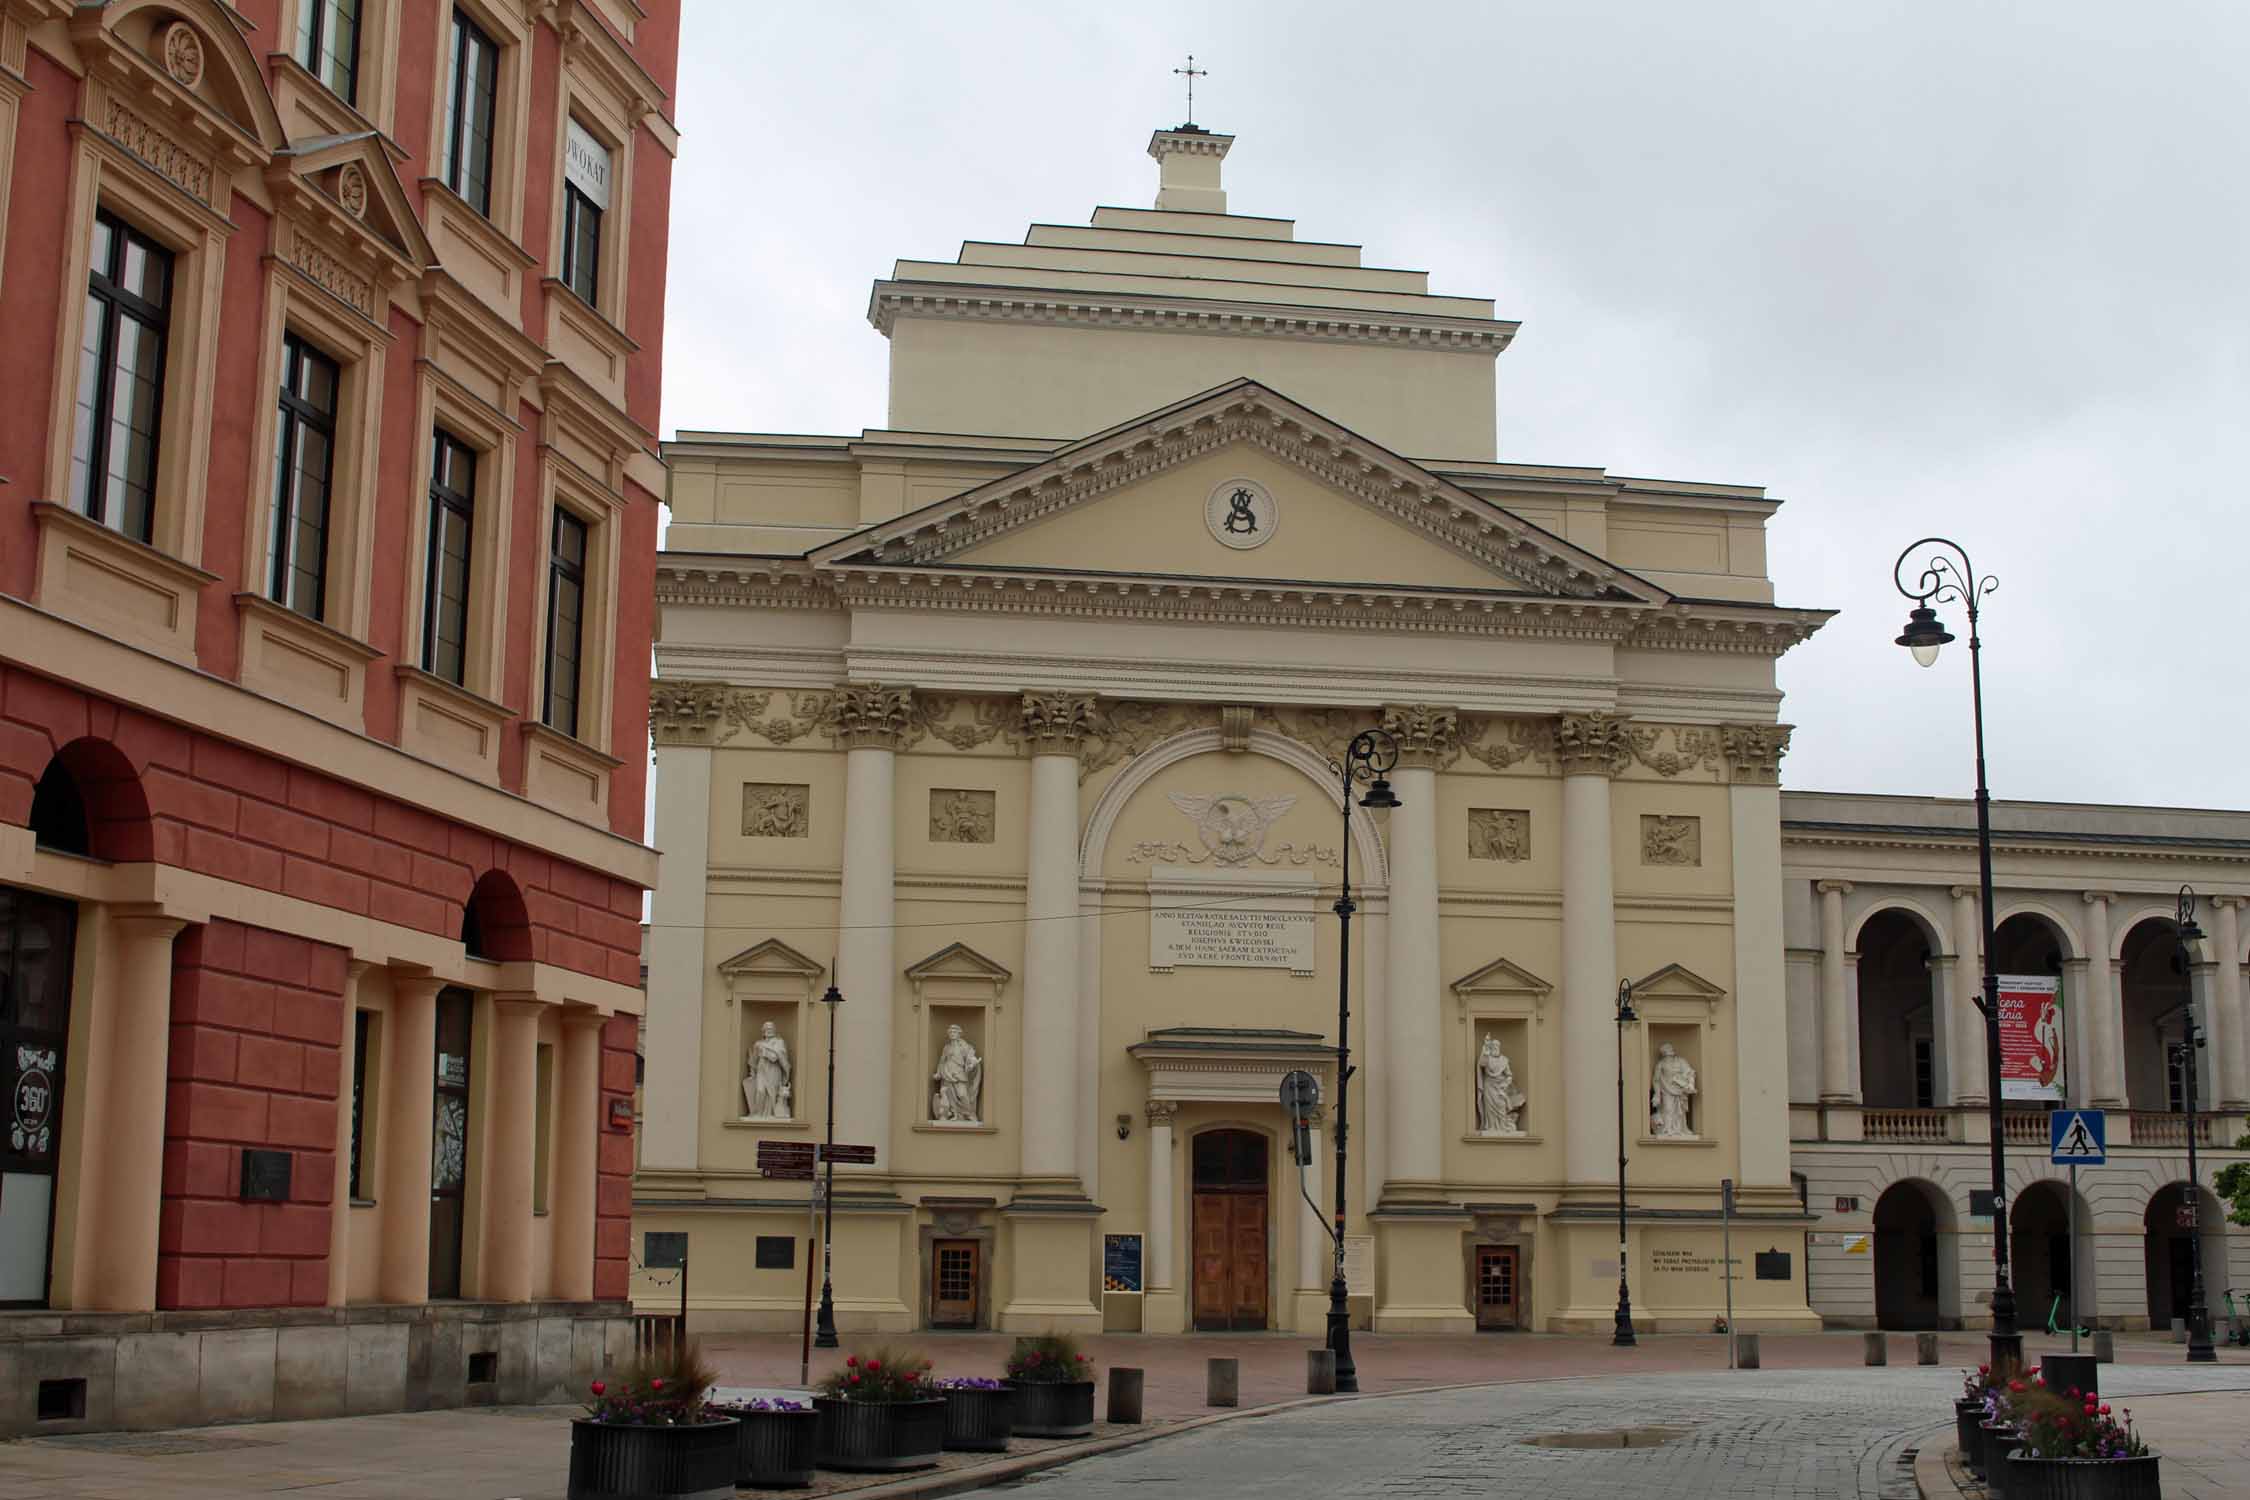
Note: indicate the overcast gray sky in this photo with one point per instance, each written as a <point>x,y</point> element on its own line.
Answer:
<point>1971,269</point>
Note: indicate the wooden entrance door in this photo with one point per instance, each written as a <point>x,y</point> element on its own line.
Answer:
<point>1230,1230</point>
<point>955,1273</point>
<point>38,938</point>
<point>1499,1287</point>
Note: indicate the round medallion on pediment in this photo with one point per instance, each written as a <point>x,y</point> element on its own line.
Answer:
<point>351,189</point>
<point>1242,514</point>
<point>183,54</point>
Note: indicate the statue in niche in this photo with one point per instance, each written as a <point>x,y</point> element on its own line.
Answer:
<point>1498,1098</point>
<point>959,1079</point>
<point>765,1087</point>
<point>1671,1087</point>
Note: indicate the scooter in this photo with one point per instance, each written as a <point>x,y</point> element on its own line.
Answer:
<point>2238,1321</point>
<point>2055,1324</point>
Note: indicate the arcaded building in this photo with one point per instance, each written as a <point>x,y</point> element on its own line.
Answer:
<point>328,492</point>
<point>1015,718</point>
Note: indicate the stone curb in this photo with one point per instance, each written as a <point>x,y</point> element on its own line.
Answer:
<point>1934,1473</point>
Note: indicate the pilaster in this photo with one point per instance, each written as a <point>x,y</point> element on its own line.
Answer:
<point>1052,727</point>
<point>576,1150</point>
<point>1163,1304</point>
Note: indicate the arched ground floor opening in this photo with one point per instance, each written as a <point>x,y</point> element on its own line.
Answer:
<point>2050,1256</point>
<point>2170,1226</point>
<point>1916,1286</point>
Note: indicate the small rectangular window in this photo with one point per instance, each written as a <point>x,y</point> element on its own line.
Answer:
<point>542,1123</point>
<point>328,45</point>
<point>586,175</point>
<point>363,1103</point>
<point>566,629</point>
<point>472,103</point>
<point>121,380</point>
<point>445,579</point>
<point>304,467</point>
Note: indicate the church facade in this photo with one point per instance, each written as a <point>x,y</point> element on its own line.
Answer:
<point>1019,725</point>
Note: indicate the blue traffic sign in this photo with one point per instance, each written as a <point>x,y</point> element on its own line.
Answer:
<point>2077,1137</point>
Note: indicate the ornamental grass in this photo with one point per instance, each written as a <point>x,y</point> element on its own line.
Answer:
<point>881,1376</point>
<point>665,1390</point>
<point>1048,1359</point>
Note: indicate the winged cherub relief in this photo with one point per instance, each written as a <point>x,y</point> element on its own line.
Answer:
<point>1232,831</point>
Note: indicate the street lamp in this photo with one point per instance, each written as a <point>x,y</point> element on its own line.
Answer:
<point>2199,1350</point>
<point>824,1332</point>
<point>1626,1016</point>
<point>1369,758</point>
<point>1945,580</point>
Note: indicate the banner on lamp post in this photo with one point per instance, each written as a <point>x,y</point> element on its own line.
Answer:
<point>2031,1037</point>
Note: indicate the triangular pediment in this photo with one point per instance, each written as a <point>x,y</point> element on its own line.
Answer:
<point>1157,497</point>
<point>959,961</point>
<point>1502,977</point>
<point>350,183</point>
<point>1678,982</point>
<point>772,958</point>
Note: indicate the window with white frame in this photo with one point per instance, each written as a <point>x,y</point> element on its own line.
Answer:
<point>328,45</point>
<point>304,477</point>
<point>121,379</point>
<point>586,187</point>
<point>472,104</point>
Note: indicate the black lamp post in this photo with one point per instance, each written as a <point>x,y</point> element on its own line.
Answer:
<point>1945,579</point>
<point>2199,1350</point>
<point>1623,1337</point>
<point>1369,758</point>
<point>824,1330</point>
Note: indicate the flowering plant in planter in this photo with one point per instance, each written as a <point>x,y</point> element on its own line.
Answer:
<point>1977,1384</point>
<point>649,1432</point>
<point>879,1377</point>
<point>668,1391</point>
<point>1048,1359</point>
<point>2075,1425</point>
<point>967,1383</point>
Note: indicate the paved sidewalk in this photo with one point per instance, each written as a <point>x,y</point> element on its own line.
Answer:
<point>519,1453</point>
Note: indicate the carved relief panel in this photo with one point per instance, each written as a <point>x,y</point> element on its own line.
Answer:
<point>776,810</point>
<point>1500,833</point>
<point>961,815</point>
<point>1670,840</point>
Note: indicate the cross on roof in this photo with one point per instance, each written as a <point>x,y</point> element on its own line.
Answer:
<point>1191,73</point>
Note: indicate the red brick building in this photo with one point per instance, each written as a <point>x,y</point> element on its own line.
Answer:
<point>329,362</point>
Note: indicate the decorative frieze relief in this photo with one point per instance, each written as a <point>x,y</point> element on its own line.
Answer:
<point>1754,751</point>
<point>1671,840</point>
<point>1427,734</point>
<point>1689,749</point>
<point>776,810</point>
<point>1501,834</point>
<point>1324,731</point>
<point>1594,744</point>
<point>1231,830</point>
<point>328,272</point>
<point>1121,730</point>
<point>175,163</point>
<point>961,815</point>
<point>1501,743</point>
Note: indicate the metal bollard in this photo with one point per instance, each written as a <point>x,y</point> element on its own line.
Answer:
<point>1222,1382</point>
<point>2105,1347</point>
<point>1124,1394</point>
<point>1925,1349</point>
<point>1320,1372</point>
<point>1745,1350</point>
<point>1878,1349</point>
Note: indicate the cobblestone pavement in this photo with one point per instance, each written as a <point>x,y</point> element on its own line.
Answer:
<point>1751,1433</point>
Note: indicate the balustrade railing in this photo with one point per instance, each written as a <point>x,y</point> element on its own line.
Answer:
<point>1905,1125</point>
<point>2163,1128</point>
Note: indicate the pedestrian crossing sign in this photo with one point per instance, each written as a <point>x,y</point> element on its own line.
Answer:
<point>2077,1137</point>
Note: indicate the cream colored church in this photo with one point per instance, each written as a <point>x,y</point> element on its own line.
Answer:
<point>1017,719</point>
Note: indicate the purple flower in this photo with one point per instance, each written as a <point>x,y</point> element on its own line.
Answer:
<point>969,1383</point>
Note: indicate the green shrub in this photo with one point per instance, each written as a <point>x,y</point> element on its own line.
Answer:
<point>1048,1359</point>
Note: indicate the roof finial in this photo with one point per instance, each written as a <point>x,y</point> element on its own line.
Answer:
<point>1191,73</point>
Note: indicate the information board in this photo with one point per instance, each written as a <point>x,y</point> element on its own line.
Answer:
<point>1121,1263</point>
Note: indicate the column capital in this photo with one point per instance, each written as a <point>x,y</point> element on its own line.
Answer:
<point>513,1003</point>
<point>1962,892</point>
<point>869,716</point>
<point>2097,898</point>
<point>149,914</point>
<point>1833,887</point>
<point>1592,744</point>
<point>1754,751</point>
<point>412,981</point>
<point>582,1018</point>
<point>1428,735</point>
<point>685,713</point>
<point>1160,1113</point>
<point>1055,723</point>
<point>2226,903</point>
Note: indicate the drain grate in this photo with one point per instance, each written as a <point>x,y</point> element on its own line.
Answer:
<point>1611,1437</point>
<point>152,1444</point>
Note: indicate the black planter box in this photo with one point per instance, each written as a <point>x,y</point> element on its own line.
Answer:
<point>1052,1409</point>
<point>611,1461</point>
<point>2000,1440</point>
<point>979,1421</point>
<point>773,1450</point>
<point>879,1437</point>
<point>2082,1478</point>
<point>1967,1417</point>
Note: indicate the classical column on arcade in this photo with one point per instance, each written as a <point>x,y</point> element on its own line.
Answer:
<point>2102,1010</point>
<point>2234,1048</point>
<point>1838,1082</point>
<point>121,1198</point>
<point>511,1124</point>
<point>869,722</point>
<point>1052,727</point>
<point>1414,1060</point>
<point>409,1084</point>
<point>1592,747</point>
<point>1973,1090</point>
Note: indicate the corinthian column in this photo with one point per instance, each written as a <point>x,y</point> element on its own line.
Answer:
<point>869,722</point>
<point>2234,1051</point>
<point>1593,748</point>
<point>1413,1057</point>
<point>1761,1030</point>
<point>1052,726</point>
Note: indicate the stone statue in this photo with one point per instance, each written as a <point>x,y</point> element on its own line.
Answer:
<point>1670,1088</point>
<point>1498,1098</point>
<point>959,1079</point>
<point>765,1089</point>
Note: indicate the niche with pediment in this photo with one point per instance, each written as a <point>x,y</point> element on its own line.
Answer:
<point>958,993</point>
<point>1679,1009</point>
<point>1503,1004</point>
<point>769,985</point>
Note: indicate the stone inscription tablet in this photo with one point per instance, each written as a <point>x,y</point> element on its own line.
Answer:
<point>1203,920</point>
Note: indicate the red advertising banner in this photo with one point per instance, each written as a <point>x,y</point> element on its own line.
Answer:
<point>2031,1037</point>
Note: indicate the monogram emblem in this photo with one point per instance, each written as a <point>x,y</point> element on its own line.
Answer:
<point>1241,514</point>
<point>1240,517</point>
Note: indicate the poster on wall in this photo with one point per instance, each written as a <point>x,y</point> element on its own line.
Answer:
<point>1121,1263</point>
<point>2031,1039</point>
